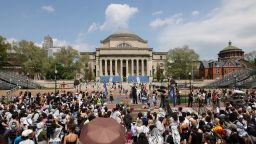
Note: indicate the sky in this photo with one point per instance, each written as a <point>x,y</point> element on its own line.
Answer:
<point>204,25</point>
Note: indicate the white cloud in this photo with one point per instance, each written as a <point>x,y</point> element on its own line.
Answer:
<point>39,44</point>
<point>10,40</point>
<point>158,22</point>
<point>118,16</point>
<point>157,13</point>
<point>233,20</point>
<point>56,43</point>
<point>59,43</point>
<point>48,8</point>
<point>195,13</point>
<point>80,44</point>
<point>93,27</point>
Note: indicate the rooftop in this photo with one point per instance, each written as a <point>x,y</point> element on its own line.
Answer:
<point>124,34</point>
<point>230,47</point>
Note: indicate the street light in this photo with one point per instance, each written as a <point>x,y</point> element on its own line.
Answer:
<point>27,80</point>
<point>55,72</point>
<point>190,88</point>
<point>235,81</point>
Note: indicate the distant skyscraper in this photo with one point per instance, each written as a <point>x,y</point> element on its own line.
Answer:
<point>48,42</point>
<point>48,46</point>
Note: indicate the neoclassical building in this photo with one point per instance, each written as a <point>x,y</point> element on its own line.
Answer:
<point>125,56</point>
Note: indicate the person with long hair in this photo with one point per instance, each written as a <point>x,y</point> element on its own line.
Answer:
<point>71,138</point>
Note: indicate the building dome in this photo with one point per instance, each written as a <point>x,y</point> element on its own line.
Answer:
<point>230,47</point>
<point>231,52</point>
<point>124,34</point>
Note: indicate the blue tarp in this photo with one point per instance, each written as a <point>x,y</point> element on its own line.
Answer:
<point>104,79</point>
<point>116,79</point>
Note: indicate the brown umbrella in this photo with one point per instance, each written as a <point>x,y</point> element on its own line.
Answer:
<point>103,131</point>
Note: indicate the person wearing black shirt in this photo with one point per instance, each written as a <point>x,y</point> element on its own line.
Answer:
<point>134,95</point>
<point>190,99</point>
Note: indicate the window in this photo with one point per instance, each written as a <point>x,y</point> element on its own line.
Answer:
<point>124,45</point>
<point>217,71</point>
<point>161,57</point>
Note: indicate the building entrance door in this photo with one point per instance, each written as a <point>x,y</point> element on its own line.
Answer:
<point>124,74</point>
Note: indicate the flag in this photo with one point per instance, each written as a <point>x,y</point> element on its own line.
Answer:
<point>171,92</point>
<point>106,89</point>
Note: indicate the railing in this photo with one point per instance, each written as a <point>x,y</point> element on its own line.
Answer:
<point>233,78</point>
<point>12,90</point>
<point>17,80</point>
<point>4,85</point>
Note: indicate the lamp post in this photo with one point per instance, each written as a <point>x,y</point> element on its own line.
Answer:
<point>235,81</point>
<point>190,88</point>
<point>55,74</point>
<point>27,80</point>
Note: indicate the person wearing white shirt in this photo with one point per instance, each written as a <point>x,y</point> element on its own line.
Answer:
<point>155,137</point>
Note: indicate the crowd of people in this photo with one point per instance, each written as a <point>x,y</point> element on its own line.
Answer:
<point>58,118</point>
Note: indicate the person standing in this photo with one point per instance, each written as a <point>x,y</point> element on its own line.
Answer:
<point>209,95</point>
<point>190,99</point>
<point>162,96</point>
<point>134,95</point>
<point>111,98</point>
<point>178,97</point>
<point>172,95</point>
<point>154,98</point>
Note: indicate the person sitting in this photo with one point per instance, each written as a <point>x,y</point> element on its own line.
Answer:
<point>71,138</point>
<point>27,136</point>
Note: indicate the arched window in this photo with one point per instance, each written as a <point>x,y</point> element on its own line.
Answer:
<point>124,45</point>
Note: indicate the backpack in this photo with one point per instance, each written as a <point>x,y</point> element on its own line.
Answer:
<point>127,120</point>
<point>49,128</point>
<point>12,134</point>
<point>251,129</point>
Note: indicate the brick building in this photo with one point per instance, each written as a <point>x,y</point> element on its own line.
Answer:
<point>230,59</point>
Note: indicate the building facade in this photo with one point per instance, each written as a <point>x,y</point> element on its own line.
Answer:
<point>49,47</point>
<point>125,55</point>
<point>230,59</point>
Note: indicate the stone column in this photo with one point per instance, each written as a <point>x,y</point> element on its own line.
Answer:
<point>106,71</point>
<point>97,67</point>
<point>111,70</point>
<point>132,67</point>
<point>100,69</point>
<point>148,67</point>
<point>137,63</point>
<point>127,67</point>
<point>142,65</point>
<point>146,70</point>
<point>116,67</point>
<point>121,68</point>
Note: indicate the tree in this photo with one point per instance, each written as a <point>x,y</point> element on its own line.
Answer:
<point>68,63</point>
<point>4,45</point>
<point>251,57</point>
<point>179,62</point>
<point>86,71</point>
<point>31,57</point>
